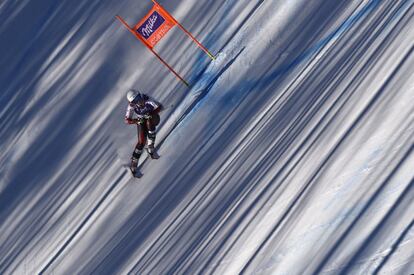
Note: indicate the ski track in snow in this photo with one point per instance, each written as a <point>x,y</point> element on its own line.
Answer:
<point>292,153</point>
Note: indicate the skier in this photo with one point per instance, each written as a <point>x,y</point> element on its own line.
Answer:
<point>144,112</point>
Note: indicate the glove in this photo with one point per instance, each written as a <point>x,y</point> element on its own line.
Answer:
<point>140,120</point>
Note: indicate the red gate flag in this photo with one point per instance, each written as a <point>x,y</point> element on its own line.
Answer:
<point>154,25</point>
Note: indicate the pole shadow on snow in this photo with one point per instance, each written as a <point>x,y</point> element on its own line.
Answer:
<point>51,151</point>
<point>331,252</point>
<point>395,245</point>
<point>396,211</point>
<point>32,174</point>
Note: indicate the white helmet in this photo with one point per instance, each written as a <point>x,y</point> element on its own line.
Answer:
<point>131,95</point>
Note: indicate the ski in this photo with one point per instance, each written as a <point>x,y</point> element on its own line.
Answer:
<point>135,172</point>
<point>154,155</point>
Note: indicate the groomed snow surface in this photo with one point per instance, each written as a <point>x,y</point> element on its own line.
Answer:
<point>291,153</point>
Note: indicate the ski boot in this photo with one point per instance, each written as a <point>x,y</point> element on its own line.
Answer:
<point>152,153</point>
<point>150,148</point>
<point>134,165</point>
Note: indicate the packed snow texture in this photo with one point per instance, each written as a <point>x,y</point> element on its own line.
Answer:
<point>291,153</point>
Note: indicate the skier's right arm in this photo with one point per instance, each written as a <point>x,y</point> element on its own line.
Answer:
<point>131,121</point>
<point>129,116</point>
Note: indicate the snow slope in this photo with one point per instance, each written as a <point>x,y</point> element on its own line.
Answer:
<point>292,153</point>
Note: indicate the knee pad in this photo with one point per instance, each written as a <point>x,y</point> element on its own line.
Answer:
<point>140,145</point>
<point>138,151</point>
<point>151,135</point>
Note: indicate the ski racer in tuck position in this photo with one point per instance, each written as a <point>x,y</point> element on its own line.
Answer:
<point>144,112</point>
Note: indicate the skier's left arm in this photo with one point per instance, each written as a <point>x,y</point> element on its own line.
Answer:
<point>154,107</point>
